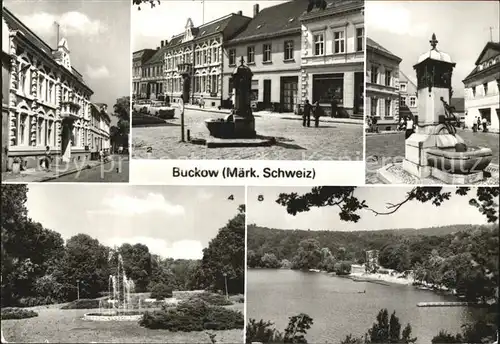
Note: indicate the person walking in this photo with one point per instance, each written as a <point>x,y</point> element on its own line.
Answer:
<point>334,107</point>
<point>318,111</point>
<point>409,127</point>
<point>484,121</point>
<point>478,123</point>
<point>474,125</point>
<point>306,116</point>
<point>47,159</point>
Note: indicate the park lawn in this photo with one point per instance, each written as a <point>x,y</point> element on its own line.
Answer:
<point>66,326</point>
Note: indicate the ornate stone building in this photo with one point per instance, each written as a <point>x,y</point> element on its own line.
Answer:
<point>202,47</point>
<point>482,88</point>
<point>49,102</point>
<point>333,56</point>
<point>382,85</point>
<point>99,128</point>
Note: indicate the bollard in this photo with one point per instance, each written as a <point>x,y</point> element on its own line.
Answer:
<point>189,135</point>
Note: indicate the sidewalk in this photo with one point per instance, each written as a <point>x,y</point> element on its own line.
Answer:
<point>38,175</point>
<point>285,115</point>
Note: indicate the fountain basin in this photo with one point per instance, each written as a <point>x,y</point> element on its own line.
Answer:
<point>473,160</point>
<point>114,316</point>
<point>221,128</point>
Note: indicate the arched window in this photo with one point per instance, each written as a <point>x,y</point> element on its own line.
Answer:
<point>40,135</point>
<point>214,87</point>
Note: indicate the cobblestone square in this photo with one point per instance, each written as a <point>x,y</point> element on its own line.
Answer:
<point>331,141</point>
<point>383,149</point>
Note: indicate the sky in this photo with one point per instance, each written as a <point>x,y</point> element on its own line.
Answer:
<point>461,27</point>
<point>97,32</point>
<point>152,25</point>
<point>173,221</point>
<point>268,213</point>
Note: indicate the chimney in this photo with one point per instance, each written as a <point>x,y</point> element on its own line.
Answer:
<point>162,43</point>
<point>240,13</point>
<point>255,10</point>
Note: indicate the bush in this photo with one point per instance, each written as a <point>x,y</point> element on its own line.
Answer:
<point>17,313</point>
<point>161,291</point>
<point>33,301</point>
<point>82,304</point>
<point>212,299</point>
<point>193,315</point>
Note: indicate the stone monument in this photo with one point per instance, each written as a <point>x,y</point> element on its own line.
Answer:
<point>240,124</point>
<point>435,150</point>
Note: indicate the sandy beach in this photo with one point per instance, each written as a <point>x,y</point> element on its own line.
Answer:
<point>358,273</point>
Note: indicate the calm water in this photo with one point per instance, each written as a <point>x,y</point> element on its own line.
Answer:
<point>338,308</point>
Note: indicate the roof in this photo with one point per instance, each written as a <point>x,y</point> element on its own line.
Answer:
<point>210,28</point>
<point>334,7</point>
<point>458,104</point>
<point>489,45</point>
<point>280,19</point>
<point>370,43</point>
<point>435,54</point>
<point>490,69</point>
<point>157,56</point>
<point>406,78</point>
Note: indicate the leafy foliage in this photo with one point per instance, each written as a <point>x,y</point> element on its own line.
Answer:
<point>349,205</point>
<point>17,313</point>
<point>161,291</point>
<point>138,3</point>
<point>264,332</point>
<point>82,304</point>
<point>225,256</point>
<point>119,134</point>
<point>212,299</point>
<point>193,315</point>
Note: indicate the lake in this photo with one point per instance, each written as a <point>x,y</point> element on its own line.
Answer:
<point>338,308</point>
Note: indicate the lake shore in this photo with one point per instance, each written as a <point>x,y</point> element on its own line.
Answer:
<point>359,275</point>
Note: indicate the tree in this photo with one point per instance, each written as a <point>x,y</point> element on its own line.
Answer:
<point>225,254</point>
<point>270,261</point>
<point>308,255</point>
<point>253,259</point>
<point>137,264</point>
<point>389,331</point>
<point>485,200</point>
<point>138,3</point>
<point>119,134</point>
<point>85,260</point>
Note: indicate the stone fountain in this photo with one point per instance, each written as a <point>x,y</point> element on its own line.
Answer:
<point>119,306</point>
<point>435,151</point>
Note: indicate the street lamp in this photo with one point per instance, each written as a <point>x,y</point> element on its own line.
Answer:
<point>225,283</point>
<point>78,289</point>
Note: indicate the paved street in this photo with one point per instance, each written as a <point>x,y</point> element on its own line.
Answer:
<point>331,141</point>
<point>115,171</point>
<point>382,149</point>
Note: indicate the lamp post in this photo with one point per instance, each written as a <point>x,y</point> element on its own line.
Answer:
<point>184,69</point>
<point>225,283</point>
<point>78,289</point>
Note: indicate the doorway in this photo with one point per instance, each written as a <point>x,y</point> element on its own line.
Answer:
<point>267,92</point>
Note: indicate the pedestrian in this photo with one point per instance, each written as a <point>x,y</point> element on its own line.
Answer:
<point>306,116</point>
<point>474,125</point>
<point>47,159</point>
<point>409,127</point>
<point>334,107</point>
<point>485,124</point>
<point>374,124</point>
<point>318,111</point>
<point>478,123</point>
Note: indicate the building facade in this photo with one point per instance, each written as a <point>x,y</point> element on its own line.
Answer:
<point>382,85</point>
<point>270,45</point>
<point>202,48</point>
<point>49,102</point>
<point>138,59</point>
<point>99,128</point>
<point>332,63</point>
<point>408,101</point>
<point>5,93</point>
<point>482,96</point>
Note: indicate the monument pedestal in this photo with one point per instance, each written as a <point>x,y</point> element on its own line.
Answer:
<point>244,126</point>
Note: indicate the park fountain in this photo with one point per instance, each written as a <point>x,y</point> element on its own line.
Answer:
<point>434,150</point>
<point>119,306</point>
